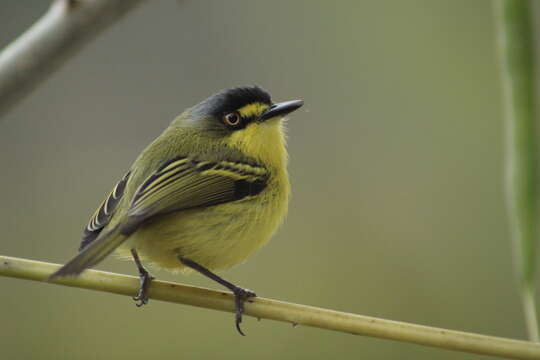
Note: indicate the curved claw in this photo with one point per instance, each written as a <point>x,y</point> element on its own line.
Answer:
<point>240,296</point>
<point>140,300</point>
<point>142,297</point>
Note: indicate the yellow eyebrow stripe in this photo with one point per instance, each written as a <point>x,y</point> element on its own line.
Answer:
<point>253,109</point>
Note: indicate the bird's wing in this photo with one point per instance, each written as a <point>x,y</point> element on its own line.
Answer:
<point>186,183</point>
<point>180,184</point>
<point>104,213</point>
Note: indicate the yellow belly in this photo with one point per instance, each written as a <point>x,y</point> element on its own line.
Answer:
<point>216,237</point>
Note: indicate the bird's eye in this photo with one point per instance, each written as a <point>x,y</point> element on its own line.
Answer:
<point>232,119</point>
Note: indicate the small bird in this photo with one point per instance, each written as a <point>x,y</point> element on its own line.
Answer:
<point>205,195</point>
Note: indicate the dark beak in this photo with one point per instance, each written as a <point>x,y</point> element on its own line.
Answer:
<point>281,109</point>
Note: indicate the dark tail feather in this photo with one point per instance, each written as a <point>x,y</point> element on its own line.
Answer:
<point>91,255</point>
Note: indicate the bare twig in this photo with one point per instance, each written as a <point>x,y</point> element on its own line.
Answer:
<point>44,47</point>
<point>278,310</point>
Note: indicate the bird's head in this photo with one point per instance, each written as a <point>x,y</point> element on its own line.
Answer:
<point>244,118</point>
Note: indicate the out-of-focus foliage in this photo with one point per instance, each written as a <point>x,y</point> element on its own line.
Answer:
<point>516,43</point>
<point>396,166</point>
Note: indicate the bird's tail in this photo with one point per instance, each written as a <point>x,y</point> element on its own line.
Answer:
<point>92,254</point>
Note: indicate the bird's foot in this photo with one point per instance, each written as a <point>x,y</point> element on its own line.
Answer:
<point>240,297</point>
<point>142,296</point>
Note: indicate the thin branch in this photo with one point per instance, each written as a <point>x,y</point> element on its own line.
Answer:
<point>516,51</point>
<point>53,39</point>
<point>278,310</point>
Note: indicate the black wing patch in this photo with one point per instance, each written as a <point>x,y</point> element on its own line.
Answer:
<point>186,183</point>
<point>103,214</point>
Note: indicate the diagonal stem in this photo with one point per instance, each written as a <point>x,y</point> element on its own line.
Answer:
<point>51,41</point>
<point>281,311</point>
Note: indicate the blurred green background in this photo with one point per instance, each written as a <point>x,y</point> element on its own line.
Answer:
<point>396,166</point>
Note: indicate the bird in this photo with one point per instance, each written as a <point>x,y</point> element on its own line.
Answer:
<point>203,196</point>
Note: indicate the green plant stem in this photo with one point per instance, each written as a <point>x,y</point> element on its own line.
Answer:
<point>529,306</point>
<point>278,310</point>
<point>513,21</point>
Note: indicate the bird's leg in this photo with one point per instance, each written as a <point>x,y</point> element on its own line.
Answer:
<point>240,294</point>
<point>145,277</point>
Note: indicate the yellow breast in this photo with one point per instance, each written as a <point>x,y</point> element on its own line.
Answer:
<point>224,235</point>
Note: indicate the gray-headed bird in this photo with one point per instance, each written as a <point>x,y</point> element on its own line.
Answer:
<point>205,195</point>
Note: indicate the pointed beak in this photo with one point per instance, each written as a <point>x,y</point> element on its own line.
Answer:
<point>281,109</point>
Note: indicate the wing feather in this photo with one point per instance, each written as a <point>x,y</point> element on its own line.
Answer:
<point>185,183</point>
<point>104,213</point>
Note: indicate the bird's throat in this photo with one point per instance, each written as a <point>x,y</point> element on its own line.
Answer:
<point>264,142</point>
